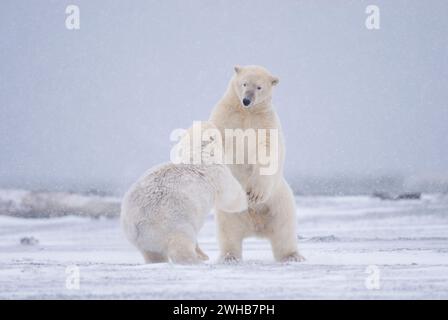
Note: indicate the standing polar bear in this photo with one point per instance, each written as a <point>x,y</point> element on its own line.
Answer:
<point>272,213</point>
<point>162,213</point>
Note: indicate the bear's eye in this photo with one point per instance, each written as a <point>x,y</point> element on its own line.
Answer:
<point>244,84</point>
<point>259,88</point>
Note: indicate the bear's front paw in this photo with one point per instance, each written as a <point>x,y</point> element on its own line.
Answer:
<point>258,191</point>
<point>294,257</point>
<point>256,195</point>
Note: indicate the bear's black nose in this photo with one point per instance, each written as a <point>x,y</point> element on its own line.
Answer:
<point>246,102</point>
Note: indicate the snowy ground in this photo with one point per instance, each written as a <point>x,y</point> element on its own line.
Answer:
<point>340,237</point>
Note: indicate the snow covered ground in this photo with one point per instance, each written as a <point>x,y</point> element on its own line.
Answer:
<point>347,241</point>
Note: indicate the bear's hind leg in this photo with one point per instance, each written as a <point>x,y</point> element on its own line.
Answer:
<point>182,250</point>
<point>230,236</point>
<point>284,245</point>
<point>154,257</point>
<point>284,236</point>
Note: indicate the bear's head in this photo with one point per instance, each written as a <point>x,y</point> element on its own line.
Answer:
<point>253,85</point>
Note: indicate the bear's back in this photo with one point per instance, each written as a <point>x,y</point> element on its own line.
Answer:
<point>171,185</point>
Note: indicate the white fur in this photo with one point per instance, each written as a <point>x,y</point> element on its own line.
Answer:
<point>272,212</point>
<point>164,210</point>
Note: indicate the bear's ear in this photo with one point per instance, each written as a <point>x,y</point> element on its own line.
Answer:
<point>275,81</point>
<point>238,68</point>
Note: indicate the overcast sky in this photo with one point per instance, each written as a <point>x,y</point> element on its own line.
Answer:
<point>95,106</point>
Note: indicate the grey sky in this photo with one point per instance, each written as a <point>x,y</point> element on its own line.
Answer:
<point>95,107</point>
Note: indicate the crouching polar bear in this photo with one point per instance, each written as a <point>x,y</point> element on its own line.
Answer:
<point>246,105</point>
<point>164,210</point>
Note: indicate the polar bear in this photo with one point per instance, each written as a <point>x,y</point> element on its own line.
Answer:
<point>164,210</point>
<point>272,214</point>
